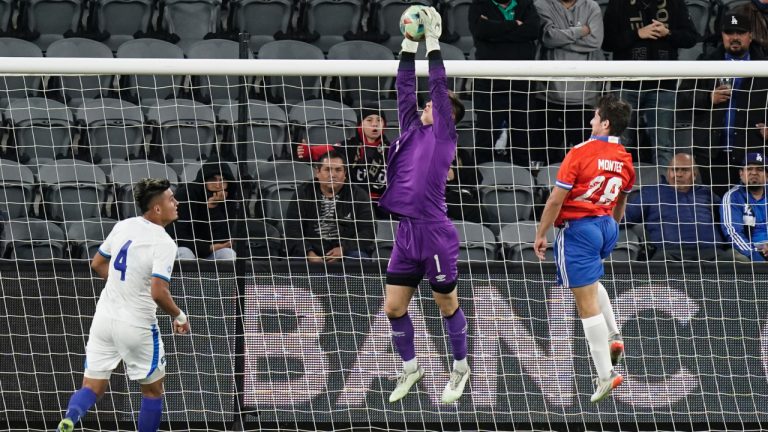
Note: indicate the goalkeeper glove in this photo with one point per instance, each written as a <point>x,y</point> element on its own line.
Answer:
<point>433,28</point>
<point>409,46</point>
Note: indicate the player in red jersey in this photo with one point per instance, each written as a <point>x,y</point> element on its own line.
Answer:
<point>586,204</point>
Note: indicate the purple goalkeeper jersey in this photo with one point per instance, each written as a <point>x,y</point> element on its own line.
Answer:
<point>419,160</point>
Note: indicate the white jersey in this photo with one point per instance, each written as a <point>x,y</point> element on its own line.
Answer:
<point>138,250</point>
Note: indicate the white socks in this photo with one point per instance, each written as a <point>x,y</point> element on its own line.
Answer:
<point>461,365</point>
<point>410,366</point>
<point>607,309</point>
<point>596,332</point>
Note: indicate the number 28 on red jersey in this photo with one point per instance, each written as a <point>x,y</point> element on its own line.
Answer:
<point>595,173</point>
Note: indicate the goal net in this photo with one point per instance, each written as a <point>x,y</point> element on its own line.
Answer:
<point>283,342</point>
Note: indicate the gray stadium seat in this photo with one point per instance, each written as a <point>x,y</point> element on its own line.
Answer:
<point>456,23</point>
<point>385,237</point>
<point>121,19</point>
<point>647,175</point>
<point>186,129</point>
<point>261,19</point>
<point>266,129</point>
<point>627,248</point>
<point>114,129</point>
<point>362,89</point>
<point>126,175</point>
<point>41,127</point>
<point>292,89</point>
<point>517,240</point>
<point>264,239</point>
<point>476,242</point>
<point>699,10</point>
<point>7,11</point>
<point>388,14</point>
<point>87,235</point>
<point>323,121</point>
<point>33,239</point>
<point>72,189</point>
<point>220,90</point>
<point>506,193</point>
<point>448,52</point>
<point>191,20</point>
<point>75,88</point>
<point>332,19</point>
<point>52,18</point>
<point>148,88</point>
<point>12,87</point>
<point>16,187</point>
<point>278,182</point>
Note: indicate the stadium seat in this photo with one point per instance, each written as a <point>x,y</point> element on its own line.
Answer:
<point>359,90</point>
<point>516,240</point>
<point>278,182</point>
<point>7,11</point>
<point>627,248</point>
<point>700,12</point>
<point>547,176</point>
<point>72,190</point>
<point>125,175</point>
<point>292,89</point>
<point>387,17</point>
<point>261,19</point>
<point>388,107</point>
<point>385,237</point>
<point>41,128</point>
<point>647,175</point>
<point>266,130</point>
<point>448,52</point>
<point>146,89</point>
<point>76,88</point>
<point>113,129</point>
<point>323,121</point>
<point>122,19</point>
<point>219,90</point>
<point>332,19</point>
<point>476,242</point>
<point>32,239</point>
<point>456,24</point>
<point>506,193</point>
<point>185,129</point>
<point>17,183</point>
<point>264,240</point>
<point>87,235</point>
<point>51,19</point>
<point>12,87</point>
<point>190,20</point>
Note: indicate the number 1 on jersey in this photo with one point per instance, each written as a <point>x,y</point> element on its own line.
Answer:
<point>121,260</point>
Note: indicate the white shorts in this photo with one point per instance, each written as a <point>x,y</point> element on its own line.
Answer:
<point>111,341</point>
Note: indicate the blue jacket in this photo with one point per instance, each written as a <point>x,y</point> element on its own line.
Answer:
<point>744,221</point>
<point>673,217</point>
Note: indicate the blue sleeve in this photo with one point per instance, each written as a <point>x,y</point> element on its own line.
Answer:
<point>443,125</point>
<point>407,103</point>
<point>733,225</point>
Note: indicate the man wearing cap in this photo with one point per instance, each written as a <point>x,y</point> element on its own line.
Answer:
<point>744,211</point>
<point>728,112</point>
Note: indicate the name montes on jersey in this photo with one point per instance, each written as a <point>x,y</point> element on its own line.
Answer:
<point>610,165</point>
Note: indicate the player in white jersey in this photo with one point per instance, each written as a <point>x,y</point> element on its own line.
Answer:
<point>136,259</point>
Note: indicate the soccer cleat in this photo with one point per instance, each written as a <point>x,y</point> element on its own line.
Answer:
<point>405,381</point>
<point>616,344</point>
<point>455,387</point>
<point>65,425</point>
<point>605,386</point>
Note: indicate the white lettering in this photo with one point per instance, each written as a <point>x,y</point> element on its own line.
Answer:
<point>610,165</point>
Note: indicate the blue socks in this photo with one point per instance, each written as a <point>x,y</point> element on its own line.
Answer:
<point>150,414</point>
<point>80,402</point>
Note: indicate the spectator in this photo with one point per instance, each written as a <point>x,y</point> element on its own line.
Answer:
<point>756,11</point>
<point>504,30</point>
<point>365,150</point>
<point>728,113</point>
<point>332,217</point>
<point>208,208</point>
<point>461,194</point>
<point>678,216</point>
<point>744,211</point>
<point>650,30</point>
<point>572,30</point>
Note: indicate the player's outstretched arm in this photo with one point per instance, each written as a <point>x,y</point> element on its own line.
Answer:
<point>161,294</point>
<point>405,83</point>
<point>442,110</point>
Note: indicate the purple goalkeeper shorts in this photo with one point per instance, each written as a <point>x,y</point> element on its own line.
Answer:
<point>422,248</point>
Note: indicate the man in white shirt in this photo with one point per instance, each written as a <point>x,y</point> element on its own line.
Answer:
<point>136,259</point>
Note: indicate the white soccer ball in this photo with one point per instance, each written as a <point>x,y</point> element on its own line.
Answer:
<point>410,23</point>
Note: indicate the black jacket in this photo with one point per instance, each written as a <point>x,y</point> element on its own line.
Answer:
<point>367,164</point>
<point>497,39</point>
<point>199,227</point>
<point>353,214</point>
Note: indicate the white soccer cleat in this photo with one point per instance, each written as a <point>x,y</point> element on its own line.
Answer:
<point>455,387</point>
<point>405,381</point>
<point>605,386</point>
<point>65,425</point>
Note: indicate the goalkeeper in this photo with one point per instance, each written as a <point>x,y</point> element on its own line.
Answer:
<point>426,240</point>
<point>136,259</point>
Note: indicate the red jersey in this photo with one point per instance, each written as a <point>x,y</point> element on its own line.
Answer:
<point>594,172</point>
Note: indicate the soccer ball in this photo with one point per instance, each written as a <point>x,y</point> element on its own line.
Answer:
<point>410,23</point>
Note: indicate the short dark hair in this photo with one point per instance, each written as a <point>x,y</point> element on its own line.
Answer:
<point>146,190</point>
<point>616,111</point>
<point>330,154</point>
<point>458,107</point>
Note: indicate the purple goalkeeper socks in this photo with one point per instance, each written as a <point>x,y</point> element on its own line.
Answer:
<point>150,414</point>
<point>402,336</point>
<point>457,332</point>
<point>80,402</point>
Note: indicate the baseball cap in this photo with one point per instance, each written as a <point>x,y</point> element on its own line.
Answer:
<point>736,22</point>
<point>755,158</point>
